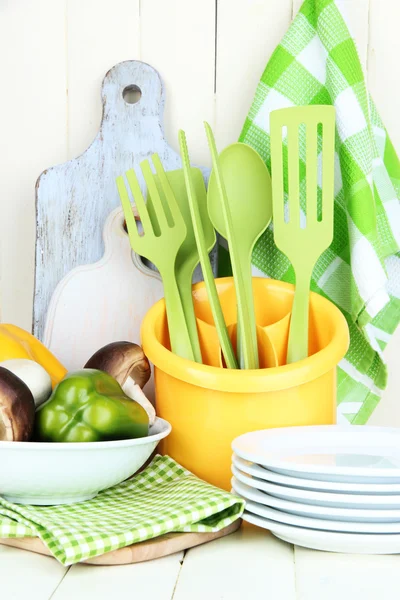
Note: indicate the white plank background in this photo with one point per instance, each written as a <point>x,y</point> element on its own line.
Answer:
<point>210,54</point>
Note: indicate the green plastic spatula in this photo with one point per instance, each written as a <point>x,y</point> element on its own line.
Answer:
<point>302,230</point>
<point>201,225</point>
<point>240,208</point>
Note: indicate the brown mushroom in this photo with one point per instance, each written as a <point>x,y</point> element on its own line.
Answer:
<point>122,360</point>
<point>127,363</point>
<point>17,408</point>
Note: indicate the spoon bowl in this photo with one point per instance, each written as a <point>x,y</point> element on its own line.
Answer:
<point>240,208</point>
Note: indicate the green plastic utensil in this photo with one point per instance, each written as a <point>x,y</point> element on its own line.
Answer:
<point>308,230</point>
<point>172,189</point>
<point>160,245</point>
<point>202,228</point>
<point>240,208</point>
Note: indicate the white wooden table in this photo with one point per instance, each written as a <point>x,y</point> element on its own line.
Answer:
<point>248,564</point>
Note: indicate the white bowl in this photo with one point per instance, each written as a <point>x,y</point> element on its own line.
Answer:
<point>62,473</point>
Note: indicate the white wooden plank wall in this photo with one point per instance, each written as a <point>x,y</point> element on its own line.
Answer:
<point>210,54</point>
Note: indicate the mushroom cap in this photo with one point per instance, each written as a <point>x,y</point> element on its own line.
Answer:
<point>33,374</point>
<point>122,360</point>
<point>17,408</point>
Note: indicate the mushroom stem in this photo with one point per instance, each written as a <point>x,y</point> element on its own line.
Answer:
<point>134,391</point>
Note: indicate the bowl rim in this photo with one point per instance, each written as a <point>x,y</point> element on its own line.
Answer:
<point>251,380</point>
<point>159,423</point>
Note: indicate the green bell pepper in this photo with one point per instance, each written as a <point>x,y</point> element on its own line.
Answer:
<point>89,406</point>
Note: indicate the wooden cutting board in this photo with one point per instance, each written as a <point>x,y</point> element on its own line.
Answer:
<point>74,199</point>
<point>155,548</point>
<point>102,302</point>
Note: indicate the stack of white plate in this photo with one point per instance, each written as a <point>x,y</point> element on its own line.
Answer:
<point>328,487</point>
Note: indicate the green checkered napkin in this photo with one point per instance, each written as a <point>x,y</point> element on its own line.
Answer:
<point>317,63</point>
<point>162,498</point>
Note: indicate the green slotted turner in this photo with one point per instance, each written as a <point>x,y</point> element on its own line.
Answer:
<point>197,204</point>
<point>160,245</point>
<point>302,230</point>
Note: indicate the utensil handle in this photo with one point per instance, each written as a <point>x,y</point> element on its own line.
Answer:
<point>177,328</point>
<point>218,315</point>
<point>298,330</point>
<point>241,276</point>
<point>208,275</point>
<point>185,292</point>
<point>246,318</point>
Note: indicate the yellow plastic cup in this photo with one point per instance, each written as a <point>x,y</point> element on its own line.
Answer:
<point>208,406</point>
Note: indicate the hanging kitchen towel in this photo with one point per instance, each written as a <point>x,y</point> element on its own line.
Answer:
<point>163,498</point>
<point>317,63</point>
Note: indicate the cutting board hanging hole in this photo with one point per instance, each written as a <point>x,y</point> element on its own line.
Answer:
<point>132,94</point>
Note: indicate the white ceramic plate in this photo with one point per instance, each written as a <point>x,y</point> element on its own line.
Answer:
<point>319,512</point>
<point>322,524</point>
<point>327,452</point>
<point>314,484</point>
<point>318,498</point>
<point>329,541</point>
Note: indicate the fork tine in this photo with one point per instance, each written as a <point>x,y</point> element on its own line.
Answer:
<point>128,213</point>
<point>139,201</point>
<point>167,189</point>
<point>154,195</point>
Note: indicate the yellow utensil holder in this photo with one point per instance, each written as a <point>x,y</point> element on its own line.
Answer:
<point>208,406</point>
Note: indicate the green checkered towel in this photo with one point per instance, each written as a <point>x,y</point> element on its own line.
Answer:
<point>163,498</point>
<point>317,63</point>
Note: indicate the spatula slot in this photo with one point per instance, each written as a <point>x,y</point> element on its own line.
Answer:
<point>293,175</point>
<point>320,137</point>
<point>303,133</point>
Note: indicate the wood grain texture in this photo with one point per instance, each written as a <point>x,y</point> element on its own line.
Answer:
<point>383,53</point>
<point>245,41</point>
<point>153,580</point>
<point>106,300</point>
<point>137,553</point>
<point>54,55</point>
<point>98,36</point>
<point>178,39</point>
<point>251,563</point>
<point>74,199</point>
<point>27,575</point>
<point>331,576</point>
<point>33,135</point>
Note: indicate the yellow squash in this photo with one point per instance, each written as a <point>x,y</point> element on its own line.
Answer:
<point>18,343</point>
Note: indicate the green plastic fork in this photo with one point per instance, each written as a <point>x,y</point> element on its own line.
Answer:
<point>159,247</point>
<point>302,238</point>
<point>172,188</point>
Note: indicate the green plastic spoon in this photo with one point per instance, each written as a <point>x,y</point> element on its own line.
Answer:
<point>302,238</point>
<point>240,208</point>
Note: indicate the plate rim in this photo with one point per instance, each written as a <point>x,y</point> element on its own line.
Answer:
<point>360,527</point>
<point>284,466</point>
<point>336,535</point>
<point>352,499</point>
<point>318,510</point>
<point>316,484</point>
